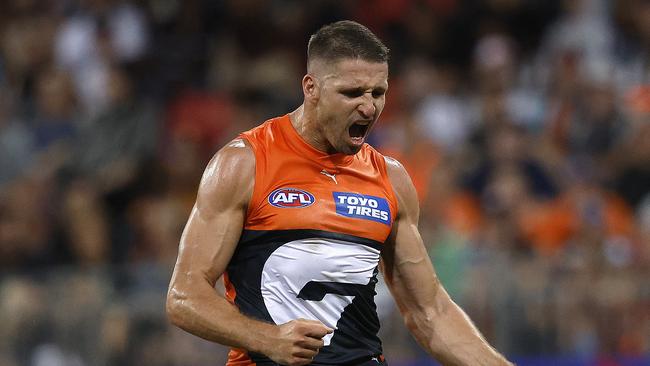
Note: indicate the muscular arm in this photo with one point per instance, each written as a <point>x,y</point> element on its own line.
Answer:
<point>439,325</point>
<point>207,245</point>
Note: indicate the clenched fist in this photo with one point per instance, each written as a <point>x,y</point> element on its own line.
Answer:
<point>297,342</point>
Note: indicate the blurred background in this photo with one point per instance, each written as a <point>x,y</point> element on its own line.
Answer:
<point>525,125</point>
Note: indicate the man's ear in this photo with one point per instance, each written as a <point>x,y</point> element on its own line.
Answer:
<point>310,88</point>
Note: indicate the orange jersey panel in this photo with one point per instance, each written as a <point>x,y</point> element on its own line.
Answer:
<point>299,187</point>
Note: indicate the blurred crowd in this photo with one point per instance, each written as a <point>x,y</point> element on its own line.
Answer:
<point>524,124</point>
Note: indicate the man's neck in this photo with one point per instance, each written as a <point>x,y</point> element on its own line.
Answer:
<point>306,126</point>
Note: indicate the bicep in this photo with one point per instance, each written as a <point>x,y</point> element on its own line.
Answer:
<point>408,270</point>
<point>217,218</point>
<point>208,242</point>
<point>406,265</point>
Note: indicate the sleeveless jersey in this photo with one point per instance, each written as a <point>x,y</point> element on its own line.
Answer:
<point>311,243</point>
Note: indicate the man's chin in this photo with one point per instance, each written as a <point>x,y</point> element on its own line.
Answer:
<point>350,149</point>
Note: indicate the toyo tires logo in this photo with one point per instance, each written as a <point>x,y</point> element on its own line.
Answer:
<point>291,198</point>
<point>362,206</point>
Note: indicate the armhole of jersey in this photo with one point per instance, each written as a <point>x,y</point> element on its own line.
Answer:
<point>387,182</point>
<point>255,199</point>
<point>231,291</point>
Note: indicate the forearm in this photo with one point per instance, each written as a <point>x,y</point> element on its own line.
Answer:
<point>446,332</point>
<point>204,313</point>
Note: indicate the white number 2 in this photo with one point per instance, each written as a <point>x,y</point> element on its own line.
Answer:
<point>316,279</point>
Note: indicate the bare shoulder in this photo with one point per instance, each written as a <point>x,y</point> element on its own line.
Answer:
<point>402,186</point>
<point>229,176</point>
<point>394,167</point>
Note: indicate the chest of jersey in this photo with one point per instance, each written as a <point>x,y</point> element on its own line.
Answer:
<point>300,194</point>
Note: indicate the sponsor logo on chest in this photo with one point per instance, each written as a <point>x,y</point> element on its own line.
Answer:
<point>362,206</point>
<point>291,198</point>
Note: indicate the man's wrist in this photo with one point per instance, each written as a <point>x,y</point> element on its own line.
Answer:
<point>261,336</point>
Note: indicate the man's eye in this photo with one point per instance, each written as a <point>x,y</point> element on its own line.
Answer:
<point>352,93</point>
<point>378,93</point>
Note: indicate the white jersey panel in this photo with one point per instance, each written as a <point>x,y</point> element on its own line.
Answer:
<point>319,264</point>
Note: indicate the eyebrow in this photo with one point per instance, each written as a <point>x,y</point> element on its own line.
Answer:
<point>361,89</point>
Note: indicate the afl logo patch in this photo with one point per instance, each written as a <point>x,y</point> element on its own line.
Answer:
<point>291,198</point>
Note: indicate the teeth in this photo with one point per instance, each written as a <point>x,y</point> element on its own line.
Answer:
<point>358,130</point>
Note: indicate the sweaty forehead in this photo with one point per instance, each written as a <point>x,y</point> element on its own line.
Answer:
<point>351,72</point>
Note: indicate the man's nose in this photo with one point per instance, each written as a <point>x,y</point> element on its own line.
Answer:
<point>367,107</point>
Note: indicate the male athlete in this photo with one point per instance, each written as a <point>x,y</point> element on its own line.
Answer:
<point>298,215</point>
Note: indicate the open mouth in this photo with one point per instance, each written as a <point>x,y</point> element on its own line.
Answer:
<point>358,130</point>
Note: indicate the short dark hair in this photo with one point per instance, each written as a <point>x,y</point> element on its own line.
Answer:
<point>346,39</point>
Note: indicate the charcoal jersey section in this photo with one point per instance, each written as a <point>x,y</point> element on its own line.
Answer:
<point>312,239</point>
<point>284,275</point>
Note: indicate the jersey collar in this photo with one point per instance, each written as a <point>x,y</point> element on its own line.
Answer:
<point>303,148</point>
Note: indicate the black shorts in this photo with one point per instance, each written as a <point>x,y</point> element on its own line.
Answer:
<point>374,361</point>
<point>378,360</point>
